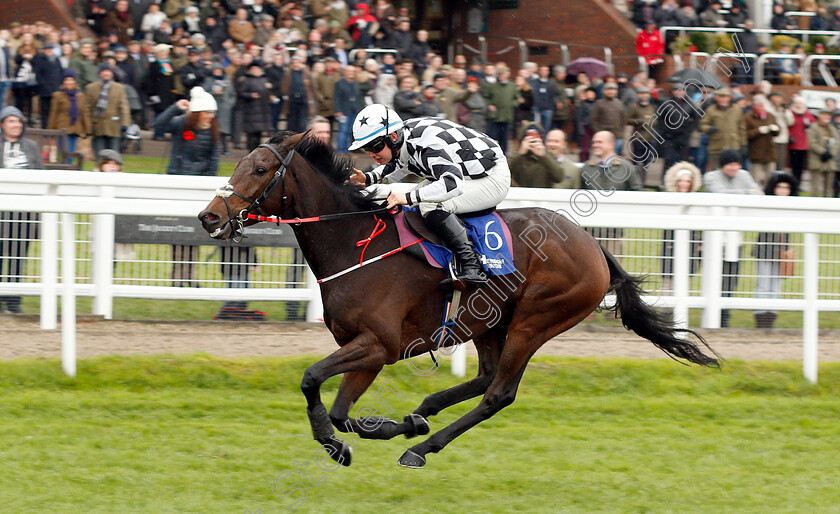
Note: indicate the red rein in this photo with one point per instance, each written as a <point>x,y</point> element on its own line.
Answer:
<point>377,229</point>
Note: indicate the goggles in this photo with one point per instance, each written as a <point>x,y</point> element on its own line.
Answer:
<point>375,146</point>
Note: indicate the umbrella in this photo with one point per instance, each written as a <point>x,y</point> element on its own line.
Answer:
<point>594,68</point>
<point>695,77</point>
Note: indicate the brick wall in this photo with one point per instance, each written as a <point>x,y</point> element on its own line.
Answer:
<point>583,22</point>
<point>54,12</point>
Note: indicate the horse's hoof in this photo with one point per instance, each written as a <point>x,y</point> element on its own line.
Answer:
<point>340,451</point>
<point>412,460</point>
<point>375,422</point>
<point>419,424</point>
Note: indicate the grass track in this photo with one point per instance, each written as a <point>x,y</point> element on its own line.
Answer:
<point>203,434</point>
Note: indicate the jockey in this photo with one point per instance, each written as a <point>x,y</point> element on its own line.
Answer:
<point>463,170</point>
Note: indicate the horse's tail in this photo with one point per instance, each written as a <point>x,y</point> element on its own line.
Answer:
<point>657,327</point>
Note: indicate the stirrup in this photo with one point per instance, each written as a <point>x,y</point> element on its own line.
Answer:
<point>459,282</point>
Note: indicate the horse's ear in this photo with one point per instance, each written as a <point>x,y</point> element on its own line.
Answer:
<point>292,141</point>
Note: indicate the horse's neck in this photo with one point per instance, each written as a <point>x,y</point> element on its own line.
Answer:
<point>329,246</point>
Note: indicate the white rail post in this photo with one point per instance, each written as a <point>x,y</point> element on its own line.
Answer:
<point>810,325</point>
<point>459,360</point>
<point>49,271</point>
<point>103,259</point>
<point>68,298</point>
<point>712,273</point>
<point>681,270</point>
<point>315,306</point>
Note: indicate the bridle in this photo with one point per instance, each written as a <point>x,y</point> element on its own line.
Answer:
<point>237,223</point>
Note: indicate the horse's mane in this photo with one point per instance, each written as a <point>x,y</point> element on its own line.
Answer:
<point>335,167</point>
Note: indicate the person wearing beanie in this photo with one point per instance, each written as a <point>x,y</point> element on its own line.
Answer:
<point>107,109</point>
<point>195,151</point>
<point>195,134</point>
<point>109,161</point>
<point>17,229</point>
<point>731,178</point>
<point>69,112</point>
<point>771,250</point>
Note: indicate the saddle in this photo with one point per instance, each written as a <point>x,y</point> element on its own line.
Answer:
<point>411,225</point>
<point>414,220</point>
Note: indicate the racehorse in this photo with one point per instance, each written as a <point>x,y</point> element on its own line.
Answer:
<point>389,310</point>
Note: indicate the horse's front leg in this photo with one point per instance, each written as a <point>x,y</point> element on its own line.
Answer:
<point>372,426</point>
<point>364,353</point>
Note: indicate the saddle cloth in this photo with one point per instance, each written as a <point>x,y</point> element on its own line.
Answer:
<point>487,231</point>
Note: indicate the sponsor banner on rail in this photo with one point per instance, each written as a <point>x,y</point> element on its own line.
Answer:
<point>188,231</point>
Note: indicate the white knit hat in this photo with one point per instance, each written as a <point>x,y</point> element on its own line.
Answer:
<point>201,100</point>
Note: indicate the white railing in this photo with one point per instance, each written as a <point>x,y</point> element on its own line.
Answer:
<point>806,69</point>
<point>763,58</point>
<point>103,195</point>
<point>805,33</point>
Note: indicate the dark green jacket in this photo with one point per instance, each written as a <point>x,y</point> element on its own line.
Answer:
<point>621,176</point>
<point>505,97</point>
<point>530,170</point>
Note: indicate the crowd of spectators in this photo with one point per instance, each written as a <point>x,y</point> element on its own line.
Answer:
<point>811,15</point>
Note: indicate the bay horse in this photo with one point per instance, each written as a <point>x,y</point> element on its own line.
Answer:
<point>390,309</point>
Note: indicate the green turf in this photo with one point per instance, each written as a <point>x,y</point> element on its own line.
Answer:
<point>137,164</point>
<point>202,434</point>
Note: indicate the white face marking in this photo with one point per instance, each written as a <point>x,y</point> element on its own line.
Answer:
<point>225,191</point>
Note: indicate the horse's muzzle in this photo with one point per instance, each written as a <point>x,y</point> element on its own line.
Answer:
<point>212,223</point>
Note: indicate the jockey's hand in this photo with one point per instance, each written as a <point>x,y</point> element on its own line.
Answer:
<point>357,178</point>
<point>395,199</point>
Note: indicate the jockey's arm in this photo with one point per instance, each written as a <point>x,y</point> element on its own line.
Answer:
<point>385,174</point>
<point>448,179</point>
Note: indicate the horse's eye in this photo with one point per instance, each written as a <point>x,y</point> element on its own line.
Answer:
<point>261,171</point>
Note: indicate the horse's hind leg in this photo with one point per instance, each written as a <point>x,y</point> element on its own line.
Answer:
<point>489,346</point>
<point>499,395</point>
<point>353,385</point>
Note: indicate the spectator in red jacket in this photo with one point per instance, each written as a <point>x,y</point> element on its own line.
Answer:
<point>362,26</point>
<point>651,46</point>
<point>798,119</point>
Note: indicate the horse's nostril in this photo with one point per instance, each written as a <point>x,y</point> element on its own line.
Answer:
<point>208,216</point>
<point>208,220</point>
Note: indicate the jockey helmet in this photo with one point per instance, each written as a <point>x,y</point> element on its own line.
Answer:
<point>372,126</point>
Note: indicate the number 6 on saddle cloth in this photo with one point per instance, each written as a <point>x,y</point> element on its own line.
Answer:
<point>486,229</point>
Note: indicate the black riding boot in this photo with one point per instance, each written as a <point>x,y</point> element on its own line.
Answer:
<point>454,235</point>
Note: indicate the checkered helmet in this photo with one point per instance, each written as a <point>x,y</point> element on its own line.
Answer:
<point>373,123</point>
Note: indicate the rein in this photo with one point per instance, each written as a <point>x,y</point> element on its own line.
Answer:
<point>325,217</point>
<point>237,223</point>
